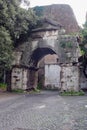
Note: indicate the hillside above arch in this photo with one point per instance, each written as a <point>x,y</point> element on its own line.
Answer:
<point>61,13</point>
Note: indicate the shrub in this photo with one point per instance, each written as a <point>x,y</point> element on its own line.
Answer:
<point>72,93</point>
<point>3,86</point>
<point>18,90</point>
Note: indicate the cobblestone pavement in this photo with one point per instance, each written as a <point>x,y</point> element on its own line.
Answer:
<point>44,111</point>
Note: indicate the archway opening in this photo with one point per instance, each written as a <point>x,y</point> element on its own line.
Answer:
<point>83,72</point>
<point>38,54</point>
<point>44,69</point>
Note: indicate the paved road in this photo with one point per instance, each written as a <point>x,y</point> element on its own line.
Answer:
<point>44,111</point>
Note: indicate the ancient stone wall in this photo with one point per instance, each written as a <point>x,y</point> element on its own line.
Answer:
<point>19,78</point>
<point>52,76</point>
<point>45,42</point>
<point>51,59</point>
<point>69,48</point>
<point>17,57</point>
<point>70,78</point>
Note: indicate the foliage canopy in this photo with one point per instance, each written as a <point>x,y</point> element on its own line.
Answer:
<point>5,48</point>
<point>15,26</point>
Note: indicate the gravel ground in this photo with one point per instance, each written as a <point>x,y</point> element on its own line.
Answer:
<point>45,111</point>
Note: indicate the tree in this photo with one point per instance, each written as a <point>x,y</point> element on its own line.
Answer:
<point>15,19</point>
<point>5,48</point>
<point>84,39</point>
<point>15,25</point>
<point>5,51</point>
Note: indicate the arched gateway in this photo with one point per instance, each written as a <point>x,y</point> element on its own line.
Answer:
<point>49,53</point>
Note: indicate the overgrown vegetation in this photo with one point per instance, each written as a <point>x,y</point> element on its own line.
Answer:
<point>5,49</point>
<point>15,27</point>
<point>16,20</point>
<point>3,86</point>
<point>72,93</point>
<point>24,91</point>
<point>83,39</point>
<point>18,91</point>
<point>83,46</point>
<point>66,44</point>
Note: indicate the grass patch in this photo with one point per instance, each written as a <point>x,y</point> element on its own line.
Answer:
<point>33,91</point>
<point>25,91</point>
<point>3,86</point>
<point>18,91</point>
<point>37,90</point>
<point>73,93</point>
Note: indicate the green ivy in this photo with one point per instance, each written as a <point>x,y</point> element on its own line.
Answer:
<point>65,44</point>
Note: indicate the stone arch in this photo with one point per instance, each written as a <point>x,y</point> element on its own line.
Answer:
<point>44,41</point>
<point>36,57</point>
<point>38,54</point>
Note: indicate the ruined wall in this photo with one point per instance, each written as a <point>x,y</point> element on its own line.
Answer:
<point>19,75</point>
<point>44,39</point>
<point>19,78</point>
<point>17,57</point>
<point>51,59</point>
<point>65,46</point>
<point>52,76</point>
<point>69,48</point>
<point>69,78</point>
<point>65,77</point>
<point>67,51</point>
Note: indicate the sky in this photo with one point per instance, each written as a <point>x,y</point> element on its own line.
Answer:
<point>79,7</point>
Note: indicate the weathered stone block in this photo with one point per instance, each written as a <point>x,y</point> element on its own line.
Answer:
<point>70,78</point>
